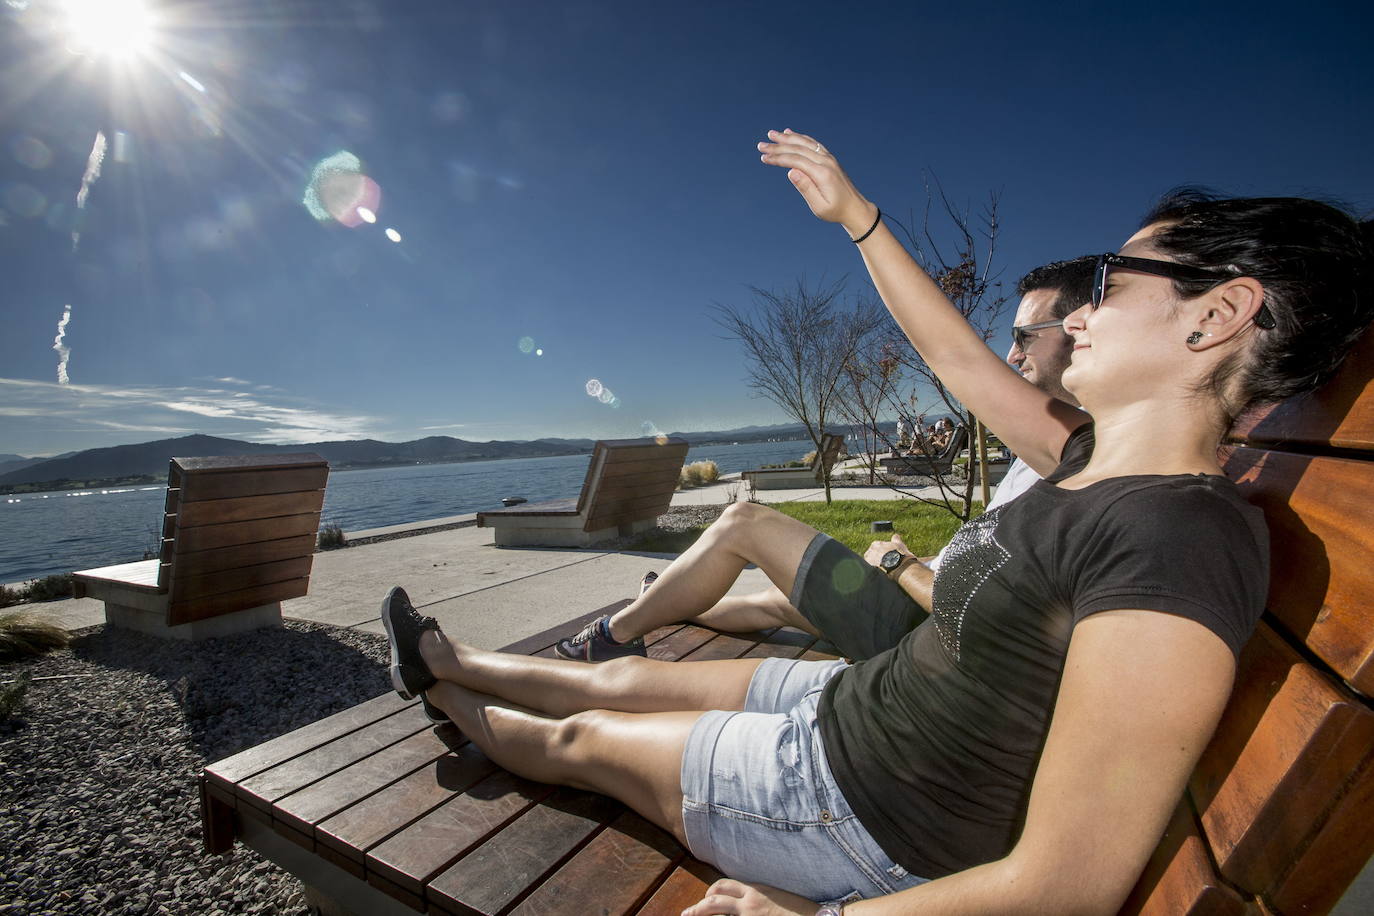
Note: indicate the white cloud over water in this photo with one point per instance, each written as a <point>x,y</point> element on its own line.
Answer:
<point>43,417</point>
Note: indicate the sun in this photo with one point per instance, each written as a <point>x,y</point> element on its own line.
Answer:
<point>109,28</point>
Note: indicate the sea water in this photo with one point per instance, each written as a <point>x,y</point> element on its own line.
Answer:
<point>56,532</point>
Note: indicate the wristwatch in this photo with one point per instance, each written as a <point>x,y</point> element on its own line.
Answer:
<point>891,561</point>
<point>831,909</point>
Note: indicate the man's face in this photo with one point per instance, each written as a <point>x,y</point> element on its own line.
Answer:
<point>1047,351</point>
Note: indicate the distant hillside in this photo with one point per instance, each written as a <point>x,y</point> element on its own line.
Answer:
<point>151,458</point>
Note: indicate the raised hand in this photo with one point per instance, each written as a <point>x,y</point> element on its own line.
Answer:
<point>735,898</point>
<point>817,176</point>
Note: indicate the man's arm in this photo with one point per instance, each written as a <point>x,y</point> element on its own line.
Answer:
<point>915,578</point>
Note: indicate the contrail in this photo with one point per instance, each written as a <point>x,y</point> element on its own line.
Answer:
<point>93,163</point>
<point>63,351</point>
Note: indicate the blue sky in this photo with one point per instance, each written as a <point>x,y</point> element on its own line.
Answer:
<point>582,175</point>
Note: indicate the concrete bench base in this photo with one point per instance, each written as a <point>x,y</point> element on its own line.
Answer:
<point>548,532</point>
<point>781,479</point>
<point>154,622</point>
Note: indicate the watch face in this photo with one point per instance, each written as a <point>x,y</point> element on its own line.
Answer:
<point>891,559</point>
<point>829,910</point>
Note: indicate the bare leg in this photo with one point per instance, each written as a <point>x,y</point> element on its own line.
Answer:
<point>636,758</point>
<point>559,688</point>
<point>698,580</point>
<point>756,611</point>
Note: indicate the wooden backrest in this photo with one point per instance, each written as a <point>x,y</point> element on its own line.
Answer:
<point>826,455</point>
<point>239,531</point>
<point>629,480</point>
<point>1279,814</point>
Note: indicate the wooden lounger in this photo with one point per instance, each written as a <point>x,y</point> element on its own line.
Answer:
<point>629,484</point>
<point>238,538</point>
<point>792,478</point>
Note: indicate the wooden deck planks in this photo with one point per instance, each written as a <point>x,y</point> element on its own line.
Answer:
<point>424,816</point>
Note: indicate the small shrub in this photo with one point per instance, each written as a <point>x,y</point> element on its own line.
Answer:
<point>22,636</point>
<point>11,695</point>
<point>50,588</point>
<point>10,596</point>
<point>332,537</point>
<point>697,474</point>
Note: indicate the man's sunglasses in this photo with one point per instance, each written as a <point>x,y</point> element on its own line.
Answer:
<point>1021,335</point>
<point>1171,269</point>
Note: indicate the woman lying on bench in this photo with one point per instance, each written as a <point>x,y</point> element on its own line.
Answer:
<point>1022,749</point>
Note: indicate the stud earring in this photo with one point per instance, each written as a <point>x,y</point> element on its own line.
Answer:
<point>1195,338</point>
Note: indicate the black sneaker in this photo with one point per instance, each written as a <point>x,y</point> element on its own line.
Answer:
<point>433,713</point>
<point>593,645</point>
<point>409,673</point>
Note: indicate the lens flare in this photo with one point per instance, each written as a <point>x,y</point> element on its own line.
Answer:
<point>539,352</point>
<point>526,344</point>
<point>594,388</point>
<point>606,396</point>
<point>338,190</point>
<point>393,235</point>
<point>366,215</point>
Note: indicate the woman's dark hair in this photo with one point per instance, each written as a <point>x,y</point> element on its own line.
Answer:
<point>1315,262</point>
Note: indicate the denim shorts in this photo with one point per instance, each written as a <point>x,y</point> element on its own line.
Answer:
<point>759,802</point>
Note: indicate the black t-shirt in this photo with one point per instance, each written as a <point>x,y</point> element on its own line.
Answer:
<point>934,742</point>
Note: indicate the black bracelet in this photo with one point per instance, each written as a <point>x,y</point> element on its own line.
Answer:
<point>876,220</point>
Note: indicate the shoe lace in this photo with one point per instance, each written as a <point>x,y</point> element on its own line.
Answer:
<point>585,634</point>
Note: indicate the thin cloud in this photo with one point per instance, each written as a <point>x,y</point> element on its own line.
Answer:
<point>446,426</point>
<point>259,417</point>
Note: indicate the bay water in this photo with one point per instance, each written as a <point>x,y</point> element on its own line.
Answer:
<point>59,531</point>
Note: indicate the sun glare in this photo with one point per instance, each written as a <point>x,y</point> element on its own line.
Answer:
<point>111,28</point>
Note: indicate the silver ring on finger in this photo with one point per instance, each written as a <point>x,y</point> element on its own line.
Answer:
<point>818,147</point>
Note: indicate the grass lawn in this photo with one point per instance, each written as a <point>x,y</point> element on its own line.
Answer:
<point>924,528</point>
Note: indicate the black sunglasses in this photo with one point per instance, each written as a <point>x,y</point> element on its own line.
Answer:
<point>1171,269</point>
<point>1021,334</point>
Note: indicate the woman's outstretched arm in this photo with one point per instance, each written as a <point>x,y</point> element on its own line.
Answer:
<point>1033,424</point>
<point>1141,694</point>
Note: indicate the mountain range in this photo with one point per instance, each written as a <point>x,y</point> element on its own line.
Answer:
<point>151,458</point>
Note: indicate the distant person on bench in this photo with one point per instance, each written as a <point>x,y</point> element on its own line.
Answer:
<point>1040,351</point>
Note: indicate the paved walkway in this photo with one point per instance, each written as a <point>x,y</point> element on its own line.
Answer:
<point>491,596</point>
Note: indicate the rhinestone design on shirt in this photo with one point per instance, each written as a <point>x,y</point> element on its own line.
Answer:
<point>972,556</point>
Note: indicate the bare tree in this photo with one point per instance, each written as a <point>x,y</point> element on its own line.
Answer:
<point>872,379</point>
<point>797,343</point>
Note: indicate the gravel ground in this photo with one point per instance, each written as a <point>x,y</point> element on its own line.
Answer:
<point>99,810</point>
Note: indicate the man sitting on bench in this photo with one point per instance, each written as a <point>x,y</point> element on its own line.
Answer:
<point>1040,351</point>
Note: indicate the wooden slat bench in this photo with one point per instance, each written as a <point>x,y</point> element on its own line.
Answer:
<point>791,478</point>
<point>929,465</point>
<point>238,538</point>
<point>629,484</point>
<point>1279,814</point>
<point>1278,817</point>
<point>379,811</point>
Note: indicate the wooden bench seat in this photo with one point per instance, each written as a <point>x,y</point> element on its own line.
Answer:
<point>793,478</point>
<point>629,484</point>
<point>1278,817</point>
<point>941,462</point>
<point>237,539</point>
<point>380,811</point>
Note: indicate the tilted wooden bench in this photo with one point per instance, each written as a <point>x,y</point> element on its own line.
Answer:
<point>238,538</point>
<point>941,462</point>
<point>1278,817</point>
<point>629,484</point>
<point>379,811</point>
<point>791,478</point>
